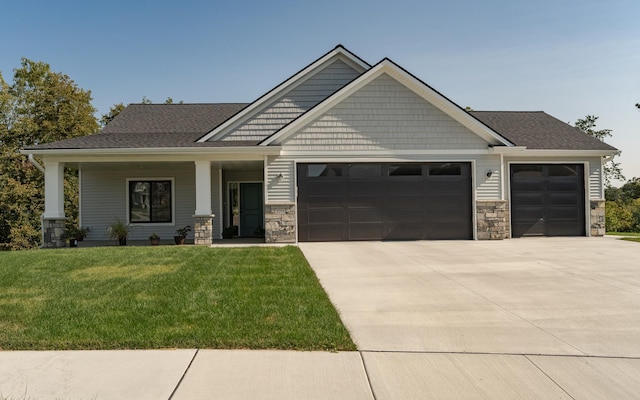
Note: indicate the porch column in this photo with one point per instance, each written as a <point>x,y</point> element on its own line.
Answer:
<point>53,218</point>
<point>203,218</point>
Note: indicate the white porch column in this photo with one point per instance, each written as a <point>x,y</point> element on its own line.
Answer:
<point>203,218</point>
<point>53,190</point>
<point>53,219</point>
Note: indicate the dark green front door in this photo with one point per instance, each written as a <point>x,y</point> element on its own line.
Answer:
<point>251,208</point>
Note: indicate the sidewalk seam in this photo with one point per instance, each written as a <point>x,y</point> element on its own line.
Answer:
<point>549,377</point>
<point>183,375</point>
<point>366,374</point>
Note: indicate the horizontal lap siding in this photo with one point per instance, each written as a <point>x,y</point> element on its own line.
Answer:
<point>488,188</point>
<point>280,191</point>
<point>104,197</point>
<point>291,105</point>
<point>595,179</point>
<point>384,115</point>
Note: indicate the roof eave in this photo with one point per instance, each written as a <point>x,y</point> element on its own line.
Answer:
<point>258,150</point>
<point>524,151</point>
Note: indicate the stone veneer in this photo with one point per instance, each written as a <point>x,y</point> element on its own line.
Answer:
<point>597,214</point>
<point>280,223</point>
<point>53,233</point>
<point>492,219</point>
<point>203,229</point>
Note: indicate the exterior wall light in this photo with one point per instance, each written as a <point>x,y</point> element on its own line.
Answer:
<point>280,177</point>
<point>489,173</point>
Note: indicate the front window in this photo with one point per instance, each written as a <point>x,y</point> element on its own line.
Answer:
<point>150,201</point>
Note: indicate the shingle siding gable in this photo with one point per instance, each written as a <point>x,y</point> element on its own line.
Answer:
<point>296,102</point>
<point>384,115</point>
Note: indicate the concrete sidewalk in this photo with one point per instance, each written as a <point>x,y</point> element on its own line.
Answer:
<point>271,374</point>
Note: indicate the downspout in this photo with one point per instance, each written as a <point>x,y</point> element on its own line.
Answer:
<point>35,163</point>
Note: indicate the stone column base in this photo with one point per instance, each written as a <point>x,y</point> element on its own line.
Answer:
<point>53,233</point>
<point>598,226</point>
<point>280,223</point>
<point>203,229</point>
<point>492,218</point>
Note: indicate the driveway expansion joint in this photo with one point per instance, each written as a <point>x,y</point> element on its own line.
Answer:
<point>184,374</point>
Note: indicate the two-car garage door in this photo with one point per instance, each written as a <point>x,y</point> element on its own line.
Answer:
<point>374,201</point>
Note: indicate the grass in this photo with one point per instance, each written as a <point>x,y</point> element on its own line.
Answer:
<point>165,297</point>
<point>628,236</point>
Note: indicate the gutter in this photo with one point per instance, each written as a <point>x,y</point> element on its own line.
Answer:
<point>35,163</point>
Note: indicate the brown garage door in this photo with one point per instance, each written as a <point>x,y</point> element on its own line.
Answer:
<point>547,200</point>
<point>374,201</point>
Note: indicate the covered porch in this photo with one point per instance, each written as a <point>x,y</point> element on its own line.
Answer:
<point>219,197</point>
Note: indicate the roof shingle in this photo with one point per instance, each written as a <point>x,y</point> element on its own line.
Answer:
<point>538,130</point>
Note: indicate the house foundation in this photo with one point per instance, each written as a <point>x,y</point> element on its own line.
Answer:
<point>203,229</point>
<point>53,233</point>
<point>280,223</point>
<point>492,218</point>
<point>597,213</point>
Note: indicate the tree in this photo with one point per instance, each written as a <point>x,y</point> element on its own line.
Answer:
<point>113,112</point>
<point>612,170</point>
<point>39,106</point>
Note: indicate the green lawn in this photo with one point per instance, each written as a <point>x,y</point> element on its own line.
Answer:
<point>635,234</point>
<point>165,297</point>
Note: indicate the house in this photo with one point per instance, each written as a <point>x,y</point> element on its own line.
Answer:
<point>342,150</point>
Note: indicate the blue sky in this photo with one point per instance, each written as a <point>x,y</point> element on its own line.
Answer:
<point>569,58</point>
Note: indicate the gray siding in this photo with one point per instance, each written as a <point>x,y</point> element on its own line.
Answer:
<point>595,178</point>
<point>384,115</point>
<point>104,197</point>
<point>280,191</point>
<point>488,188</point>
<point>291,105</point>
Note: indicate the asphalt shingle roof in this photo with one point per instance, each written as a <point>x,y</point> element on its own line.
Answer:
<point>181,125</point>
<point>157,126</point>
<point>538,130</point>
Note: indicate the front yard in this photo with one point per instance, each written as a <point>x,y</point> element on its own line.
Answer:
<point>165,297</point>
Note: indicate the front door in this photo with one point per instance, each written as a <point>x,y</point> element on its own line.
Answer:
<point>251,208</point>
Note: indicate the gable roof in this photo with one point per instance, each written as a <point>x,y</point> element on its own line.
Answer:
<point>539,130</point>
<point>339,52</point>
<point>156,126</point>
<point>386,66</point>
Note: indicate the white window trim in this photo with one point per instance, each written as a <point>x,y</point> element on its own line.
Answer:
<point>173,201</point>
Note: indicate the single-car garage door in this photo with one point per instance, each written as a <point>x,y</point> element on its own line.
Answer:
<point>547,200</point>
<point>374,201</point>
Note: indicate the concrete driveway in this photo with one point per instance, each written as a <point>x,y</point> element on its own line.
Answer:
<point>545,316</point>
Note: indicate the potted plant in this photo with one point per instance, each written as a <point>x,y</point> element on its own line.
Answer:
<point>154,239</point>
<point>182,234</point>
<point>258,232</point>
<point>119,231</point>
<point>75,235</point>
<point>227,233</point>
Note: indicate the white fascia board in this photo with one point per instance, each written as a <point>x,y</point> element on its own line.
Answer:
<point>560,153</point>
<point>157,154</point>
<point>241,117</point>
<point>387,66</point>
<point>356,155</point>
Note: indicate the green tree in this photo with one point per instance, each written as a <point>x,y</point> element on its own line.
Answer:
<point>39,106</point>
<point>113,112</point>
<point>612,169</point>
